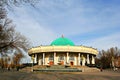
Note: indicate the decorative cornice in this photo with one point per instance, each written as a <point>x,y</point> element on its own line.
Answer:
<point>80,49</point>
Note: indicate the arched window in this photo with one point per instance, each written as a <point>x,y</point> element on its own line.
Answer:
<point>51,57</point>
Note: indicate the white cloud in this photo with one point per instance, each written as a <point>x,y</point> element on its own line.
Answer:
<point>105,42</point>
<point>78,19</point>
<point>52,19</point>
<point>27,25</point>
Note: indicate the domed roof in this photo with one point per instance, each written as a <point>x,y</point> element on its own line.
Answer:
<point>62,42</point>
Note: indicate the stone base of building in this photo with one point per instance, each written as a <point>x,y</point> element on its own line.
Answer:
<point>61,68</point>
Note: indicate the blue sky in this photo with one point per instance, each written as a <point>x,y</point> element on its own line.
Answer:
<point>93,23</point>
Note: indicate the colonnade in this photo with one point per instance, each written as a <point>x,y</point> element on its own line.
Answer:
<point>82,59</point>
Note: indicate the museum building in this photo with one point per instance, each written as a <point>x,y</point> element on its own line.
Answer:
<point>63,51</point>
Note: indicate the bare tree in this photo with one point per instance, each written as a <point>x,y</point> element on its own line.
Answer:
<point>17,58</point>
<point>4,62</point>
<point>9,38</point>
<point>106,58</point>
<point>1,62</point>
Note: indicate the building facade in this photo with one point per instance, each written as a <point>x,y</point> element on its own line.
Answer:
<point>62,51</point>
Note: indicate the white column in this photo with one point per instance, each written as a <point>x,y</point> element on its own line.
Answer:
<point>83,60</point>
<point>43,58</point>
<point>55,58</point>
<point>88,60</point>
<point>35,59</point>
<point>93,60</point>
<point>67,57</point>
<point>79,59</point>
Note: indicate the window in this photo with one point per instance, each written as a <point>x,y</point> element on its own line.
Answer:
<point>61,57</point>
<point>71,57</point>
<point>51,57</point>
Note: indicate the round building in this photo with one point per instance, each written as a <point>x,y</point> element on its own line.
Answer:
<point>63,51</point>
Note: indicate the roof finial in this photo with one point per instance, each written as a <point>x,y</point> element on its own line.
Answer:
<point>62,36</point>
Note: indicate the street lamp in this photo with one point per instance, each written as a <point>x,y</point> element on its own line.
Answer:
<point>113,63</point>
<point>32,62</point>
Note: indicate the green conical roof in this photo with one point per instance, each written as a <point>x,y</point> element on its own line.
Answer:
<point>62,42</point>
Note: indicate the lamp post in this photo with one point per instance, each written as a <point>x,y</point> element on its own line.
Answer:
<point>32,62</point>
<point>113,63</point>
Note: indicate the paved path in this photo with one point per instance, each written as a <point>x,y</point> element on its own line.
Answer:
<point>105,75</point>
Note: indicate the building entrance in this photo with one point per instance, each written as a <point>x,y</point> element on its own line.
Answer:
<point>71,63</point>
<point>51,63</point>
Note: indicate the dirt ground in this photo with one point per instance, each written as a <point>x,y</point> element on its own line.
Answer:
<point>16,75</point>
